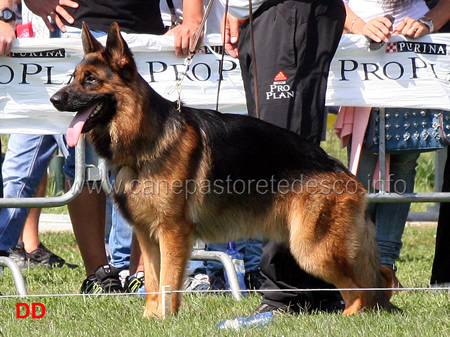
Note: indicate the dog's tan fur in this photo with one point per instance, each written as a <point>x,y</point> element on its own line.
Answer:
<point>146,140</point>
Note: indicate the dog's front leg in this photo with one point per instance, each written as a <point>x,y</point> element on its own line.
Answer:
<point>150,251</point>
<point>176,244</point>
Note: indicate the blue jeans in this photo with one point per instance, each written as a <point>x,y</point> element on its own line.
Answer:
<point>120,237</point>
<point>251,249</point>
<point>390,218</point>
<point>26,161</point>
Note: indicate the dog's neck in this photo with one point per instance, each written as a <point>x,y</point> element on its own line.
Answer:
<point>144,120</point>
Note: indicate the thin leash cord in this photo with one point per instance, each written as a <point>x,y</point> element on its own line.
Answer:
<point>255,73</point>
<point>222,59</point>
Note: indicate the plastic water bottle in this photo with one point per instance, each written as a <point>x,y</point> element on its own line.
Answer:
<point>238,262</point>
<point>259,320</point>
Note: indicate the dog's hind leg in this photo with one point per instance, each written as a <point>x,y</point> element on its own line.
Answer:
<point>333,240</point>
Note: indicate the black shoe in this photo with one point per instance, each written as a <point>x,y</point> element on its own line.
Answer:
<point>107,277</point>
<point>217,282</point>
<point>43,256</point>
<point>333,303</point>
<point>254,279</point>
<point>20,256</point>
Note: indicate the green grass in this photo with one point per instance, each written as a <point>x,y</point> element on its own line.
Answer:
<point>424,313</point>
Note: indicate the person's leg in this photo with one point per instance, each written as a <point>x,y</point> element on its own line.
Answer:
<point>440,273</point>
<point>390,218</point>
<point>30,233</point>
<point>25,163</point>
<point>252,251</point>
<point>87,213</point>
<point>120,239</point>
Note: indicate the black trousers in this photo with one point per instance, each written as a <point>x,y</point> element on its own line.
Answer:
<point>441,264</point>
<point>294,44</point>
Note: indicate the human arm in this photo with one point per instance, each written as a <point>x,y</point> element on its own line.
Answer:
<point>439,16</point>
<point>185,33</point>
<point>378,29</point>
<point>231,34</point>
<point>53,9</point>
<point>7,29</point>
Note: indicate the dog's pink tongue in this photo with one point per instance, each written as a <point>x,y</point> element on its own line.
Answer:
<point>76,126</point>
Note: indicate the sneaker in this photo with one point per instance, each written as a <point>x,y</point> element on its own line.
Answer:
<point>254,279</point>
<point>43,256</point>
<point>19,255</point>
<point>105,280</point>
<point>40,256</point>
<point>134,282</point>
<point>217,282</point>
<point>91,286</point>
<point>196,282</point>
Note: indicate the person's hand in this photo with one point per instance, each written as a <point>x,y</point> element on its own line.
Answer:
<point>378,29</point>
<point>52,11</point>
<point>411,28</point>
<point>7,37</point>
<point>184,35</point>
<point>231,33</point>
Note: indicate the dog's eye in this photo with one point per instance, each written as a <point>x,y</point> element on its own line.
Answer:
<point>91,79</point>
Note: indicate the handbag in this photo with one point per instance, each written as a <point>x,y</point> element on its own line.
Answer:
<point>409,130</point>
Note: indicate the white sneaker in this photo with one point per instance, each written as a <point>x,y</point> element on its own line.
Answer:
<point>196,282</point>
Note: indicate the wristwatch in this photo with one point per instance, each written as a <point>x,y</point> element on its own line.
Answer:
<point>7,15</point>
<point>427,22</point>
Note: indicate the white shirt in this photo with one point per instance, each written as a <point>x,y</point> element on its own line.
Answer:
<point>240,8</point>
<point>369,9</point>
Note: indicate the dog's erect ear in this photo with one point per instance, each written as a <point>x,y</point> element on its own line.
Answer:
<point>90,43</point>
<point>117,47</point>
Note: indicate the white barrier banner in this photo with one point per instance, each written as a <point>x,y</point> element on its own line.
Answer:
<point>403,73</point>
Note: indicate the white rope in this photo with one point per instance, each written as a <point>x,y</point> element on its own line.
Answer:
<point>428,289</point>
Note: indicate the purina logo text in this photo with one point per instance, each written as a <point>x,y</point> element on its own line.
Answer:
<point>416,47</point>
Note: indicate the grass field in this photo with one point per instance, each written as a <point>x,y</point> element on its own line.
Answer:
<point>425,313</point>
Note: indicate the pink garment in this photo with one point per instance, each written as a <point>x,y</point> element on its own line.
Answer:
<point>351,123</point>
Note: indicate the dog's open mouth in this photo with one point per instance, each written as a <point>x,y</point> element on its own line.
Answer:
<point>76,126</point>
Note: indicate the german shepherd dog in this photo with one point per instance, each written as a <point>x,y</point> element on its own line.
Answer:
<point>189,173</point>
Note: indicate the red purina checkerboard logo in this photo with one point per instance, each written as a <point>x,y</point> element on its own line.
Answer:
<point>391,47</point>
